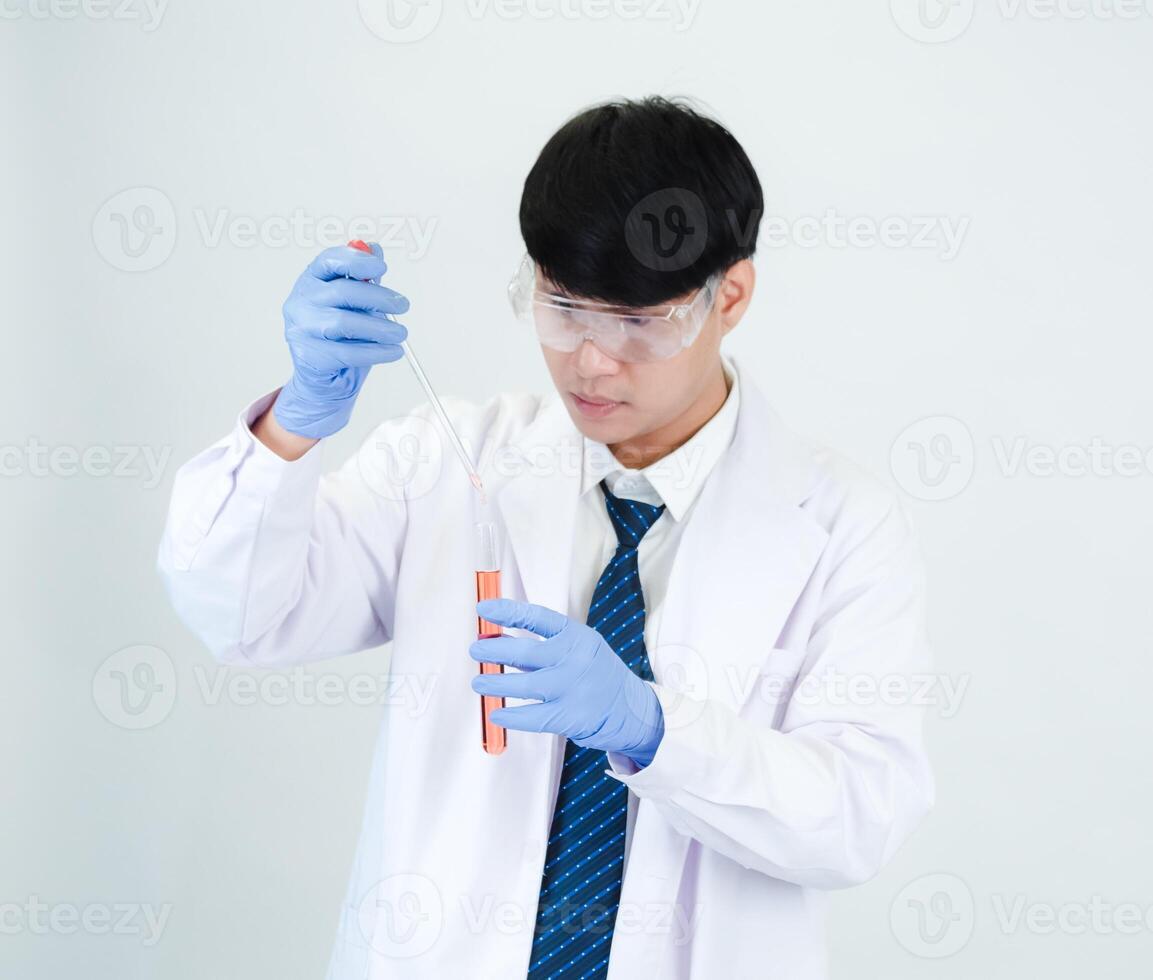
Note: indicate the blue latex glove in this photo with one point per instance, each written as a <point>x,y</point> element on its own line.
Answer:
<point>336,330</point>
<point>584,688</point>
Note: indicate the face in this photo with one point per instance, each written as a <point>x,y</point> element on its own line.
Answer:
<point>658,405</point>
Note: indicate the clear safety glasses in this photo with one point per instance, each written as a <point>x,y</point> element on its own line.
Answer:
<point>624,333</point>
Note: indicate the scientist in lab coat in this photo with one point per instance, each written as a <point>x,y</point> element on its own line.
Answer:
<point>689,591</point>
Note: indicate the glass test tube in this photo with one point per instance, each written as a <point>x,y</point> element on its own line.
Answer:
<point>494,738</point>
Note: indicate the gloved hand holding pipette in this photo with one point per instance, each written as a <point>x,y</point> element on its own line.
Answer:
<point>337,327</point>
<point>585,689</point>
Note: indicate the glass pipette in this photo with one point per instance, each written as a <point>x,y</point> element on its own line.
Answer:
<point>414,363</point>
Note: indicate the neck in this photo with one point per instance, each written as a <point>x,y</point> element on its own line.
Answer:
<point>652,446</point>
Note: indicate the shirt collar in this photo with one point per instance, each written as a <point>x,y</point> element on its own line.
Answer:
<point>676,479</point>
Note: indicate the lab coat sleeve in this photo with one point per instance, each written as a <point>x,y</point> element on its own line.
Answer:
<point>826,800</point>
<point>272,563</point>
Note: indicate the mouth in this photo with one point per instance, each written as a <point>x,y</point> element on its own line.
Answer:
<point>594,407</point>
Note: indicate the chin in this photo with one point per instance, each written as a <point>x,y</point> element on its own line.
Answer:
<point>602,430</point>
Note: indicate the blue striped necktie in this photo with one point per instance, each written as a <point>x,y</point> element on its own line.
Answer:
<point>581,884</point>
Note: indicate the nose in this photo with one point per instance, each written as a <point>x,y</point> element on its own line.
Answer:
<point>592,362</point>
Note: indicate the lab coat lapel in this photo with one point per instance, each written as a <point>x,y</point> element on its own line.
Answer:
<point>745,555</point>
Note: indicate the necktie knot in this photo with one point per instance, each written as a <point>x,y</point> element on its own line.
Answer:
<point>631,518</point>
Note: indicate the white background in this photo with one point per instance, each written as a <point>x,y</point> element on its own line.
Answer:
<point>1026,125</point>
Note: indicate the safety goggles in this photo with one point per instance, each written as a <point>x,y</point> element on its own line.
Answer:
<point>624,333</point>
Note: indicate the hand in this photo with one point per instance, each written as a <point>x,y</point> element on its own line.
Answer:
<point>584,688</point>
<point>336,327</point>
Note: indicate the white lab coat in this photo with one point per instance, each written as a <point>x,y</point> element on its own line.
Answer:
<point>768,788</point>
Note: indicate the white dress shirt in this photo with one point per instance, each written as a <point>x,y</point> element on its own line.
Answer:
<point>675,481</point>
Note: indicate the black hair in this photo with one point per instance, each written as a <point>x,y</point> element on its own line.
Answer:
<point>636,202</point>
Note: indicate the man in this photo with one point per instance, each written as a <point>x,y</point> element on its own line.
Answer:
<point>690,591</point>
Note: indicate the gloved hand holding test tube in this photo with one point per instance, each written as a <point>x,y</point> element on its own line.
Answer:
<point>493,737</point>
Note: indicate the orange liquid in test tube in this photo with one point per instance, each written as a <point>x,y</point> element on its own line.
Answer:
<point>494,737</point>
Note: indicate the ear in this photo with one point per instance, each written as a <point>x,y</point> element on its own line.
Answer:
<point>735,293</point>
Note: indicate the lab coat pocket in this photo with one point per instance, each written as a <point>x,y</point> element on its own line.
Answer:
<point>772,686</point>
